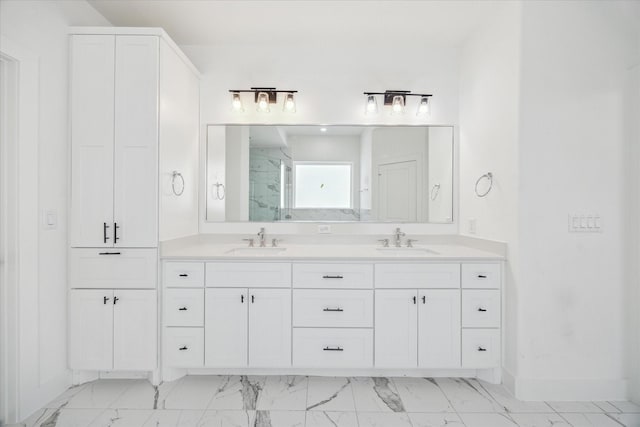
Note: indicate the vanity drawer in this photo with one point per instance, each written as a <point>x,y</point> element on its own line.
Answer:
<point>184,347</point>
<point>248,274</point>
<point>336,276</point>
<point>183,274</point>
<point>480,308</point>
<point>184,307</point>
<point>481,276</point>
<point>480,348</point>
<point>113,268</point>
<point>333,308</point>
<point>332,348</point>
<point>403,276</point>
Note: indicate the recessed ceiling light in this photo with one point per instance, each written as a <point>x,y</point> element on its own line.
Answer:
<point>323,129</point>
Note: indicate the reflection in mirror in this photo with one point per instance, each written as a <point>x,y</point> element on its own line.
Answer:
<point>269,173</point>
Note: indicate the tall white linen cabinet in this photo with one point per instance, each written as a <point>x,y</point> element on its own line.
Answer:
<point>134,174</point>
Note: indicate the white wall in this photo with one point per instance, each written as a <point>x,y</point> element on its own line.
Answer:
<point>489,108</point>
<point>41,28</point>
<point>571,287</point>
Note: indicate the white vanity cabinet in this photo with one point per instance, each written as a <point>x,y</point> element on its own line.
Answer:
<point>417,328</point>
<point>112,329</point>
<point>405,316</point>
<point>248,315</point>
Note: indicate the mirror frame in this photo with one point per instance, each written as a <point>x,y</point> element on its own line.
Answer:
<point>311,227</point>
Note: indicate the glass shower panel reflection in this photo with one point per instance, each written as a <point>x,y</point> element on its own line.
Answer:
<point>269,181</point>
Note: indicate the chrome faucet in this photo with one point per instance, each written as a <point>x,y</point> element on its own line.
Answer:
<point>261,235</point>
<point>398,235</point>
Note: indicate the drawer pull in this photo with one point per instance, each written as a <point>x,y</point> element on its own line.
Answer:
<point>115,300</point>
<point>183,275</point>
<point>242,299</point>
<point>333,349</point>
<point>333,277</point>
<point>482,276</point>
<point>333,309</point>
<point>182,309</point>
<point>104,300</point>
<point>482,309</point>
<point>482,349</point>
<point>424,299</point>
<point>414,300</point>
<point>109,253</point>
<point>183,348</point>
<point>104,232</point>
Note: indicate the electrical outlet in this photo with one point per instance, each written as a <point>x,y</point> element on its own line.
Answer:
<point>585,223</point>
<point>324,229</point>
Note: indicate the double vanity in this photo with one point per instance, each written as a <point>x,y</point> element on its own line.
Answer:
<point>331,309</point>
<point>161,285</point>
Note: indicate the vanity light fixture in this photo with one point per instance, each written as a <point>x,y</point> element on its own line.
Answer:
<point>263,97</point>
<point>397,105</point>
<point>289,103</point>
<point>372,105</point>
<point>236,103</point>
<point>397,99</point>
<point>424,108</point>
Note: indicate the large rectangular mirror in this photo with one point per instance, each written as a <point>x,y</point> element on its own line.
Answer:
<point>269,173</point>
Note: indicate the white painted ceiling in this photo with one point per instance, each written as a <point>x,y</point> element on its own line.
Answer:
<point>445,23</point>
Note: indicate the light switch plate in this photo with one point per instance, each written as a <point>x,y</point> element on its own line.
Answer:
<point>585,223</point>
<point>472,226</point>
<point>49,219</point>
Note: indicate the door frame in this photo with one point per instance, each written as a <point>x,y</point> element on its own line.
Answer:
<point>24,390</point>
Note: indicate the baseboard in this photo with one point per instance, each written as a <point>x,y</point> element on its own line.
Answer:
<point>570,389</point>
<point>509,381</point>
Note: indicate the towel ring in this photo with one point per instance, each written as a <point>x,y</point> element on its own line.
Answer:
<point>489,177</point>
<point>174,175</point>
<point>435,188</point>
<point>220,191</point>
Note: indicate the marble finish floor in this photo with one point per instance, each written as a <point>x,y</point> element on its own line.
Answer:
<point>299,401</point>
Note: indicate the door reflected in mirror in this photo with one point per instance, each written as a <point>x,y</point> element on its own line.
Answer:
<point>270,173</point>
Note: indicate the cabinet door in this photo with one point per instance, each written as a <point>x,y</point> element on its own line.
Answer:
<point>269,327</point>
<point>225,325</point>
<point>135,333</point>
<point>136,141</point>
<point>92,103</point>
<point>91,329</point>
<point>396,328</point>
<point>439,328</point>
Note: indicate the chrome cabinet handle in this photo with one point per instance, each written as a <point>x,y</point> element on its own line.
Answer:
<point>333,349</point>
<point>333,309</point>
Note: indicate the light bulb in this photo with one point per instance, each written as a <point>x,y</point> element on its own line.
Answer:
<point>237,102</point>
<point>289,104</point>
<point>397,105</point>
<point>263,102</point>
<point>424,108</point>
<point>372,105</point>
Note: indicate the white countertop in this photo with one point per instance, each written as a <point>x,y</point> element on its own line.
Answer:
<point>335,252</point>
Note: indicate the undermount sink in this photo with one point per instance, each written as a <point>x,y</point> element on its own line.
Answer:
<point>407,251</point>
<point>256,251</point>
